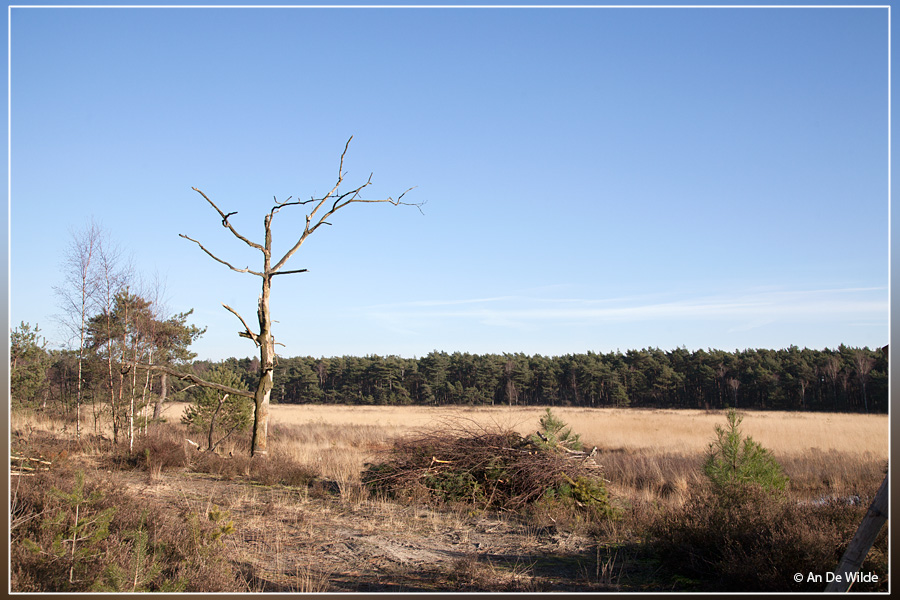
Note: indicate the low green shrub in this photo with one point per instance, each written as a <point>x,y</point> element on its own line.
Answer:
<point>72,531</point>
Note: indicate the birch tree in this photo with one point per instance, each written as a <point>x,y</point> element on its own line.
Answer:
<point>113,275</point>
<point>319,210</point>
<point>77,296</point>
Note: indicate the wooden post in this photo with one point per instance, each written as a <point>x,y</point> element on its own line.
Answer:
<point>859,546</point>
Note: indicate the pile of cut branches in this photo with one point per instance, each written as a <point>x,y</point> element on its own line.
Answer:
<point>488,466</point>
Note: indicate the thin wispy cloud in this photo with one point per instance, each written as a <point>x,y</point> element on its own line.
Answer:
<point>747,309</point>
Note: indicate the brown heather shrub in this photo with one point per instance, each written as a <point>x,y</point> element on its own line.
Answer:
<point>274,470</point>
<point>281,470</point>
<point>182,549</point>
<point>749,540</point>
<point>163,448</point>
<point>42,444</point>
<point>228,468</point>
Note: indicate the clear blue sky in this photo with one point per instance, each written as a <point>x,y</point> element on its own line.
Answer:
<point>595,179</point>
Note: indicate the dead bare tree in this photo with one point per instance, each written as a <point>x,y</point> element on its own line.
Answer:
<point>321,209</point>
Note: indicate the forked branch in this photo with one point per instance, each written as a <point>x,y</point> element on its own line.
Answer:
<point>247,333</point>
<point>225,223</point>
<point>196,380</point>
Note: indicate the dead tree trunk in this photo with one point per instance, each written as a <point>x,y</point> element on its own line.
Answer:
<point>321,209</point>
<point>266,344</point>
<point>859,546</point>
<point>163,390</point>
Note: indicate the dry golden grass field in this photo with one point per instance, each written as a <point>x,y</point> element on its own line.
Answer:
<point>329,533</point>
<point>646,430</point>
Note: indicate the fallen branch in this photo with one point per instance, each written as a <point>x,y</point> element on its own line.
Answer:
<point>198,381</point>
<point>37,460</point>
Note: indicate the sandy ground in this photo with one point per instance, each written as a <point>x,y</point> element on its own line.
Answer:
<point>291,540</point>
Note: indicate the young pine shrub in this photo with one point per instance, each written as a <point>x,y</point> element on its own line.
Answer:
<point>743,534</point>
<point>215,415</point>
<point>70,540</point>
<point>555,434</point>
<point>140,567</point>
<point>735,461</point>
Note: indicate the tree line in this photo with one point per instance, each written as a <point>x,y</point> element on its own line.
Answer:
<point>843,379</point>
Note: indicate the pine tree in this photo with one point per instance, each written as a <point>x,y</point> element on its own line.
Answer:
<point>219,414</point>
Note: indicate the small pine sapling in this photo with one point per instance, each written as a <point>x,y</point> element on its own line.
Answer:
<point>554,434</point>
<point>218,415</point>
<point>78,528</point>
<point>733,460</point>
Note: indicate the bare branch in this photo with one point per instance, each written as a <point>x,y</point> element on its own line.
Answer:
<point>247,334</point>
<point>197,380</point>
<point>279,205</point>
<point>216,258</point>
<point>225,223</point>
<point>290,272</point>
<point>418,205</point>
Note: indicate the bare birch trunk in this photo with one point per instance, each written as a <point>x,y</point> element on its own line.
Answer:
<point>116,409</point>
<point>134,354</point>
<point>78,392</point>
<point>131,412</point>
<point>111,382</point>
<point>78,295</point>
<point>143,427</point>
